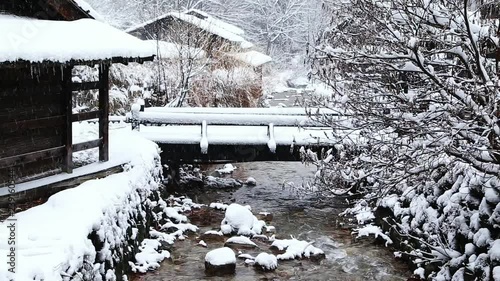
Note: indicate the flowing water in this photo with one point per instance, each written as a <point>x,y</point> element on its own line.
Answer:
<point>293,215</point>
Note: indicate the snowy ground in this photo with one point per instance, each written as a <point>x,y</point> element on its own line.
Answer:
<point>52,239</point>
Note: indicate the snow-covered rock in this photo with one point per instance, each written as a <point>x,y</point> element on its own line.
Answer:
<point>212,236</point>
<point>238,219</point>
<point>227,169</point>
<point>240,241</point>
<point>149,257</point>
<point>296,249</point>
<point>218,206</point>
<point>265,216</point>
<point>221,261</point>
<point>221,183</point>
<point>251,182</point>
<point>368,230</point>
<point>246,256</point>
<point>266,262</point>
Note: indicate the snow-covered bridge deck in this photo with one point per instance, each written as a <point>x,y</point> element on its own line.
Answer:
<point>233,134</point>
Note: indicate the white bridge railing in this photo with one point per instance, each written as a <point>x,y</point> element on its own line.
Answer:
<point>282,126</point>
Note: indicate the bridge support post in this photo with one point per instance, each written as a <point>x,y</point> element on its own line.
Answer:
<point>272,142</point>
<point>204,138</point>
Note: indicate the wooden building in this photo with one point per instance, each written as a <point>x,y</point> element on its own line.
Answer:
<point>227,55</point>
<point>194,29</point>
<point>37,55</point>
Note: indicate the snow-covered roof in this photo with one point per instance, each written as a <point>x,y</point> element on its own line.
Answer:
<point>63,41</point>
<point>215,21</point>
<point>252,58</point>
<point>87,8</point>
<point>167,50</point>
<point>209,25</point>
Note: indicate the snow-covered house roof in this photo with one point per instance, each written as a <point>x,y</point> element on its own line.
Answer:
<point>89,10</point>
<point>252,58</point>
<point>215,21</point>
<point>204,22</point>
<point>64,41</point>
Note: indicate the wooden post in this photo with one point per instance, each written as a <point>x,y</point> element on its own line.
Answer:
<point>104,112</point>
<point>67,103</point>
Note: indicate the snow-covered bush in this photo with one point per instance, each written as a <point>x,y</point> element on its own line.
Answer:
<point>419,129</point>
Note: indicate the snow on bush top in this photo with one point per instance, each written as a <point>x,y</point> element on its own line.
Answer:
<point>61,41</point>
<point>221,256</point>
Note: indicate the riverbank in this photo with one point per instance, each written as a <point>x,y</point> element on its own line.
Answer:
<point>88,232</point>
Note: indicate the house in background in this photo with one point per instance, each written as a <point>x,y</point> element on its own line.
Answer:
<point>230,58</point>
<point>42,42</point>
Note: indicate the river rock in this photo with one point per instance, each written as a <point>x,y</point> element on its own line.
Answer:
<point>212,236</point>
<point>296,249</point>
<point>265,216</point>
<point>266,262</point>
<point>220,262</point>
<point>260,238</point>
<point>251,182</point>
<point>205,216</point>
<point>239,242</point>
<point>221,183</point>
<point>240,220</point>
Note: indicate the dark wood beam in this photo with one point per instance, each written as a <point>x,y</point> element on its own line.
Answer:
<point>30,157</point>
<point>85,116</point>
<point>92,63</point>
<point>87,145</point>
<point>104,112</point>
<point>32,124</point>
<point>67,10</point>
<point>67,104</point>
<point>85,86</point>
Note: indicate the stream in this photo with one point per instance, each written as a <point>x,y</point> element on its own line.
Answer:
<point>302,217</point>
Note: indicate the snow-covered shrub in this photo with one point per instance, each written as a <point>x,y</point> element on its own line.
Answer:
<point>232,87</point>
<point>418,101</point>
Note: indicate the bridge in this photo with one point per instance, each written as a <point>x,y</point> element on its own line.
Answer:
<point>207,135</point>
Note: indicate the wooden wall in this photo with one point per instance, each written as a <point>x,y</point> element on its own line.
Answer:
<point>32,119</point>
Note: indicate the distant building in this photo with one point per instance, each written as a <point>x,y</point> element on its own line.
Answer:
<point>42,41</point>
<point>222,43</point>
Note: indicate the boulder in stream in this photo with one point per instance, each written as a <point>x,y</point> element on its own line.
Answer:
<point>240,220</point>
<point>251,182</point>
<point>240,242</point>
<point>212,236</point>
<point>265,216</point>
<point>266,262</point>
<point>221,183</point>
<point>221,261</point>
